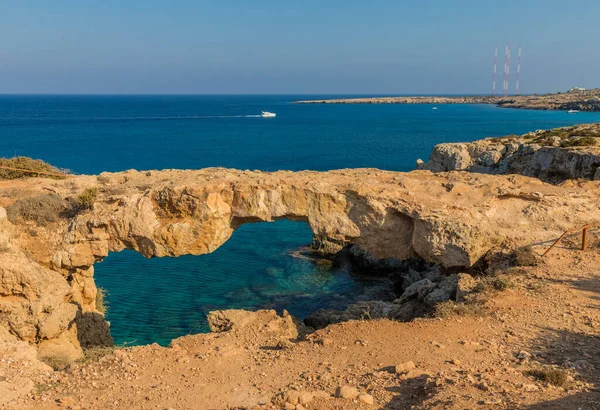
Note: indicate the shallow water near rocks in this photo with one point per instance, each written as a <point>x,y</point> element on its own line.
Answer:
<point>159,299</point>
<point>254,269</point>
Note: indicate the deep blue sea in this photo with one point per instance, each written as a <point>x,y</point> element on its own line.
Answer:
<point>156,300</point>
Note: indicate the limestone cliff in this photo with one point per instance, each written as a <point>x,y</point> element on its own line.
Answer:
<point>53,231</point>
<point>553,155</point>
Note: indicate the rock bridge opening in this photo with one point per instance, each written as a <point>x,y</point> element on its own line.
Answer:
<point>47,268</point>
<point>262,265</point>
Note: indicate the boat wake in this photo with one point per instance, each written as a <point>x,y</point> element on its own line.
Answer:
<point>51,120</point>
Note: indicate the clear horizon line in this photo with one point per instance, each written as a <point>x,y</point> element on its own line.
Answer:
<point>249,94</point>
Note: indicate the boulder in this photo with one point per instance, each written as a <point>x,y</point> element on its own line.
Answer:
<point>411,277</point>
<point>445,291</point>
<point>284,326</point>
<point>417,290</point>
<point>433,274</point>
<point>405,367</point>
<point>347,392</point>
<point>366,398</point>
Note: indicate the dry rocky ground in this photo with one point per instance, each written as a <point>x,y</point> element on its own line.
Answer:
<point>546,320</point>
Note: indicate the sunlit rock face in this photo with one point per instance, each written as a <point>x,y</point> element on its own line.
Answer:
<point>47,290</point>
<point>550,155</point>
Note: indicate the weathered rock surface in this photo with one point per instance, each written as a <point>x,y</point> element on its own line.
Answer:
<point>47,290</point>
<point>285,326</point>
<point>423,291</point>
<point>542,154</point>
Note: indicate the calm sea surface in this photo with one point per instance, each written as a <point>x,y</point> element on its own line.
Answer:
<point>159,299</point>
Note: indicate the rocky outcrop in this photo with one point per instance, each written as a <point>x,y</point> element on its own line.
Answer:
<point>421,292</point>
<point>284,327</point>
<point>554,155</point>
<point>581,100</point>
<point>474,99</point>
<point>47,290</point>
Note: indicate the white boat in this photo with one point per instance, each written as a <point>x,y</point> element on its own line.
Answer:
<point>572,111</point>
<point>434,108</point>
<point>267,114</point>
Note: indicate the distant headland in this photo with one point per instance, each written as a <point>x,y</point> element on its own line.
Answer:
<point>577,99</point>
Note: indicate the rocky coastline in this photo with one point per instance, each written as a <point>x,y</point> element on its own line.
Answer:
<point>50,243</point>
<point>579,100</point>
<point>553,155</point>
<point>439,235</point>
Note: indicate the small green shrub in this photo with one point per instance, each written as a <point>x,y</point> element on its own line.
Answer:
<point>570,136</point>
<point>42,209</point>
<point>544,141</point>
<point>86,200</point>
<point>579,142</point>
<point>29,164</point>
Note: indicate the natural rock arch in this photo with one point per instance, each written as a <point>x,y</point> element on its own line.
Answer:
<point>47,286</point>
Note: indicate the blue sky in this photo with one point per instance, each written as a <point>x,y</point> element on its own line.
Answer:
<point>279,46</point>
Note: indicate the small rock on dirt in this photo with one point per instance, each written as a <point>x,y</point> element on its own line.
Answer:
<point>346,392</point>
<point>292,397</point>
<point>305,397</point>
<point>405,367</point>
<point>366,398</point>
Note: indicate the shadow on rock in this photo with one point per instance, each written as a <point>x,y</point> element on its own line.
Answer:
<point>93,330</point>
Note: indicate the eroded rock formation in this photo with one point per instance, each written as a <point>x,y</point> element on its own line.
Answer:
<point>553,155</point>
<point>47,253</point>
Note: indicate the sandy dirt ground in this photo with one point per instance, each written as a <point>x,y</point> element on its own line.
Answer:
<point>547,320</point>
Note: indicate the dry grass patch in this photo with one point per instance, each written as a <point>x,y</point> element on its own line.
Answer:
<point>492,283</point>
<point>555,377</point>
<point>468,308</point>
<point>41,388</point>
<point>59,362</point>
<point>101,305</point>
<point>41,209</point>
<point>526,257</point>
<point>93,354</point>
<point>29,164</point>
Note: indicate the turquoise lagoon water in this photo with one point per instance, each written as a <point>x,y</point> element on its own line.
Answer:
<point>159,299</point>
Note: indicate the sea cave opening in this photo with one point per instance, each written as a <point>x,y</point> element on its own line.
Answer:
<point>262,266</point>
